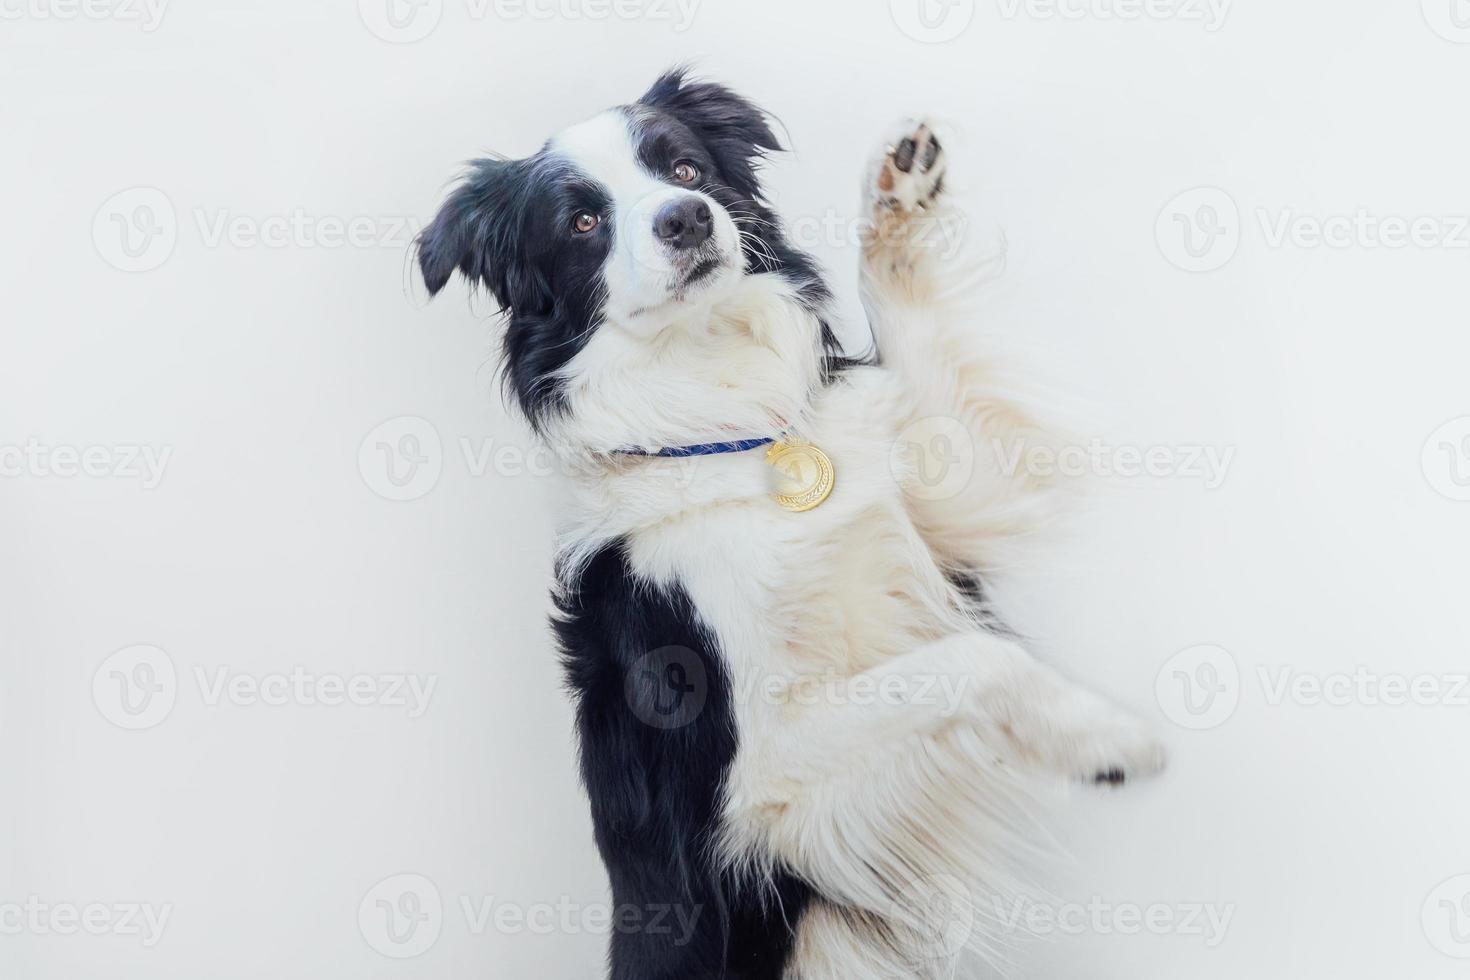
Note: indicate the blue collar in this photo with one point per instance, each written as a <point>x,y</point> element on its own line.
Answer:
<point>703,449</point>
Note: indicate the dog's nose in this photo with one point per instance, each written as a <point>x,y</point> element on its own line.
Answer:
<point>684,223</point>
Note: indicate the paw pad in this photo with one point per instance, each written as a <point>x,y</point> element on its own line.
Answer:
<point>910,173</point>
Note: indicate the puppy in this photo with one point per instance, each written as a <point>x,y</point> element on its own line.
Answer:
<point>799,726</point>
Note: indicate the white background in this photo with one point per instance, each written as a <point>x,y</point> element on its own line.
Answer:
<point>1333,542</point>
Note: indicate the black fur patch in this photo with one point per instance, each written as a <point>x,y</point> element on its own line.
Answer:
<point>507,226</point>
<point>657,734</point>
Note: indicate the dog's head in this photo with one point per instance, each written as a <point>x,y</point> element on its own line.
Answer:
<point>640,222</point>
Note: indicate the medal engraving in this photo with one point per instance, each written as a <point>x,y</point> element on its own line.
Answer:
<point>805,475</point>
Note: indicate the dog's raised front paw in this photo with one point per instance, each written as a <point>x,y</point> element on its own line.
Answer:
<point>908,173</point>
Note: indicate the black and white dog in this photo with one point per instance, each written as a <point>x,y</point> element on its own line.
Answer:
<point>798,724</point>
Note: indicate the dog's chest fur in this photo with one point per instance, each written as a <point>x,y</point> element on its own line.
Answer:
<point>796,602</point>
<point>765,611</point>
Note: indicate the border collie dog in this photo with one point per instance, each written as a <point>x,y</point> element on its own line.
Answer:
<point>801,731</point>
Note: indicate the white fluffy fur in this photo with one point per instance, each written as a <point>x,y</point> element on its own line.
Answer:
<point>887,807</point>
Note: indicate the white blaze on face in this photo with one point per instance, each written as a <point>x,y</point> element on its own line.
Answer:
<point>641,274</point>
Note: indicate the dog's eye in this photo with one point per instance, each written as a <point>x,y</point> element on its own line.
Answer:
<point>584,222</point>
<point>686,172</point>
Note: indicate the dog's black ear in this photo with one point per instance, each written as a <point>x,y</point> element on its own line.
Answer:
<point>477,231</point>
<point>734,129</point>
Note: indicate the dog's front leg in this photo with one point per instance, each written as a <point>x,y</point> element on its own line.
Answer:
<point>964,431</point>
<point>900,776</point>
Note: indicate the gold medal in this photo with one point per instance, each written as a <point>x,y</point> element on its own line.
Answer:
<point>806,475</point>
